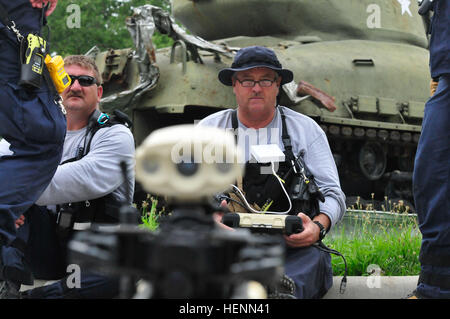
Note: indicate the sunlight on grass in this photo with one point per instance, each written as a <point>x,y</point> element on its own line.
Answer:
<point>390,241</point>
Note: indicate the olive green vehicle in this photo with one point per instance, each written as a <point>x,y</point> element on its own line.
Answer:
<point>360,70</point>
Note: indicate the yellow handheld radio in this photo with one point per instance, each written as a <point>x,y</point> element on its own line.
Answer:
<point>32,51</point>
<point>55,67</point>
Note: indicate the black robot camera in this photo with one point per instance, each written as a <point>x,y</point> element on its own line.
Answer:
<point>189,256</point>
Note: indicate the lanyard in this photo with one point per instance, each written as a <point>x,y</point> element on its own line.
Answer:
<point>11,25</point>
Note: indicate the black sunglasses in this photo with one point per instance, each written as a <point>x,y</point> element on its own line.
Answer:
<point>83,80</point>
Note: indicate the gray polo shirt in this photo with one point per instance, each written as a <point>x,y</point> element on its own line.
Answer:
<point>305,135</point>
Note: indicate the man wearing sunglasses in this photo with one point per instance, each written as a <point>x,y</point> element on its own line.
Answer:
<point>89,178</point>
<point>256,77</point>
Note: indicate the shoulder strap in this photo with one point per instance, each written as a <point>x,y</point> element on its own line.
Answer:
<point>286,138</point>
<point>239,181</point>
<point>100,120</point>
<point>235,124</point>
<point>234,119</point>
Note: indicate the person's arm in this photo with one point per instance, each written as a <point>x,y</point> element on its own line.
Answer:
<point>96,174</point>
<point>40,3</point>
<point>320,162</point>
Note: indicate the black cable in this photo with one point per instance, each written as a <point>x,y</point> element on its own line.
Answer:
<point>43,10</point>
<point>425,7</point>
<point>124,170</point>
<point>321,246</point>
<point>222,197</point>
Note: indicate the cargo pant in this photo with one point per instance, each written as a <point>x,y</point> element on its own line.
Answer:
<point>310,269</point>
<point>34,126</point>
<point>92,286</point>
<point>432,194</point>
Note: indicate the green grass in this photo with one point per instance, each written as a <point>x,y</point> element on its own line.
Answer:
<point>150,217</point>
<point>393,245</point>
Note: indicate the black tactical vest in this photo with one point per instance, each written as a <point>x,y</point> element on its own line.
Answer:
<point>265,191</point>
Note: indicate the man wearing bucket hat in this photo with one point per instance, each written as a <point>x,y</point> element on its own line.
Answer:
<point>256,76</point>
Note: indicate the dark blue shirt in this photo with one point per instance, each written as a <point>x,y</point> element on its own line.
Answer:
<point>27,19</point>
<point>440,39</point>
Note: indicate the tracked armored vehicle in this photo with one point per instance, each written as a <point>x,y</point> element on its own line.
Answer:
<point>360,70</point>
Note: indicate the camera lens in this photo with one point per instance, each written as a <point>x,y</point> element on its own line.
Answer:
<point>223,167</point>
<point>150,165</point>
<point>187,168</point>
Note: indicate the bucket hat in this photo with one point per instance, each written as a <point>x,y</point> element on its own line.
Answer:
<point>255,57</point>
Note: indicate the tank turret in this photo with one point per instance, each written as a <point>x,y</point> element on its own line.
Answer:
<point>303,20</point>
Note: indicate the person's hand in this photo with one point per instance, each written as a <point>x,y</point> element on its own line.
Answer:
<point>307,237</point>
<point>40,3</point>
<point>20,221</point>
<point>218,217</point>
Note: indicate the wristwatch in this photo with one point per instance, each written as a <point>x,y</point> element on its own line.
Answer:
<point>323,231</point>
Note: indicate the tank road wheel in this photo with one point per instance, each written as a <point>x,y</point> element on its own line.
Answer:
<point>372,160</point>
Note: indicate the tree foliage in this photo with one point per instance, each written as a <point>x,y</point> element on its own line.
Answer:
<point>101,23</point>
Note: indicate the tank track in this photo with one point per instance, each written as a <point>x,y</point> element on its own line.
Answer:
<point>398,149</point>
<point>390,137</point>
